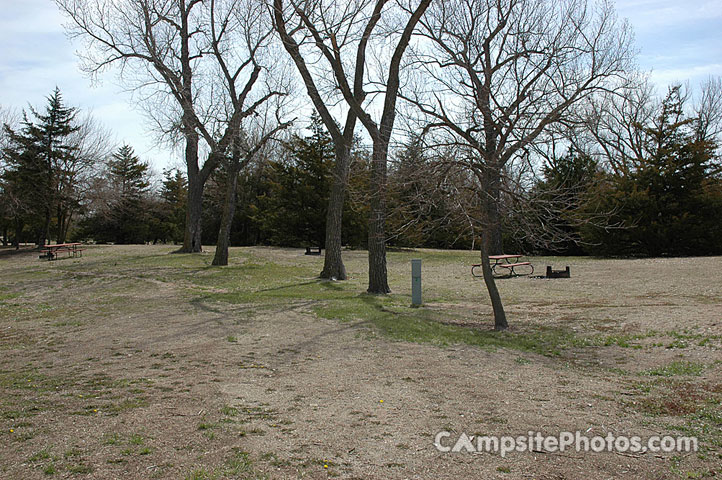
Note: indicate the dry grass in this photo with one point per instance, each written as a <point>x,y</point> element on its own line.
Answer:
<point>137,363</point>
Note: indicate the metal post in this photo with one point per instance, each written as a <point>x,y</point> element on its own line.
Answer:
<point>416,282</point>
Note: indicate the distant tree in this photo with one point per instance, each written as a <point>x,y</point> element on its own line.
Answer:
<point>48,160</point>
<point>173,195</point>
<point>120,208</point>
<point>295,208</point>
<point>429,200</point>
<point>130,178</point>
<point>555,209</point>
<point>201,68</point>
<point>129,175</point>
<point>670,202</point>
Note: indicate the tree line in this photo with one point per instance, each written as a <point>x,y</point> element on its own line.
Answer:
<point>523,124</point>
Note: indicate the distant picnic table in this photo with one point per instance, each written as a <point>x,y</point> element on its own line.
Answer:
<point>506,264</point>
<point>51,251</point>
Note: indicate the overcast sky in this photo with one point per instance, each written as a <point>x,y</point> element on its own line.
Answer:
<point>679,40</point>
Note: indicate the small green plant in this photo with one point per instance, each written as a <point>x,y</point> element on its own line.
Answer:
<point>677,368</point>
<point>229,411</point>
<point>43,454</point>
<point>111,439</point>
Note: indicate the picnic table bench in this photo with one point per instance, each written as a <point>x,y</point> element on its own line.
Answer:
<point>51,251</point>
<point>507,262</point>
<point>313,251</point>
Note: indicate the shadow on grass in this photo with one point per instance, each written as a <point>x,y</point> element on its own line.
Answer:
<point>399,321</point>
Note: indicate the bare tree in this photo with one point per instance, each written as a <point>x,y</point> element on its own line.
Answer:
<point>10,205</point>
<point>290,23</point>
<point>341,34</point>
<point>498,73</point>
<point>91,144</point>
<point>194,65</point>
<point>610,125</point>
<point>708,110</point>
<point>247,145</point>
<point>606,126</point>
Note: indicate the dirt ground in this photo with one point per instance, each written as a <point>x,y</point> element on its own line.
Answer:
<point>134,363</point>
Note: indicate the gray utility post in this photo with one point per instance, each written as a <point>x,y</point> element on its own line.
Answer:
<point>416,282</point>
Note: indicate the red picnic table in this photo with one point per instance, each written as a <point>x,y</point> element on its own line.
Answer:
<point>507,262</point>
<point>51,251</point>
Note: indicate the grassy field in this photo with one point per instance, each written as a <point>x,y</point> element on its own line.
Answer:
<point>135,362</point>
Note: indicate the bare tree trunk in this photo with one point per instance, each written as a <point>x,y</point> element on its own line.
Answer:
<point>19,225</point>
<point>493,196</point>
<point>45,233</point>
<point>229,207</point>
<point>194,216</point>
<point>194,208</point>
<point>333,266</point>
<point>62,226</point>
<point>378,278</point>
<point>496,304</point>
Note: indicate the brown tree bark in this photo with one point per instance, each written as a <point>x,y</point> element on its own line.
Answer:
<point>333,267</point>
<point>378,276</point>
<point>196,183</point>
<point>492,193</point>
<point>229,207</point>
<point>500,322</point>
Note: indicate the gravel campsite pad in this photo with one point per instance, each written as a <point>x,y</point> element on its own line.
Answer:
<point>132,362</point>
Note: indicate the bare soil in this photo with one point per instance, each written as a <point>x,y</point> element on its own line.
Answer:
<point>126,363</point>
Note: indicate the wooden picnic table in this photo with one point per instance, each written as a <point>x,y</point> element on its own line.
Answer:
<point>508,263</point>
<point>51,251</point>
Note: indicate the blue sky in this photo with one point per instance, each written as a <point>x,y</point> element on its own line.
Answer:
<point>678,41</point>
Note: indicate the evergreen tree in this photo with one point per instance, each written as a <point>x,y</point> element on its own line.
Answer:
<point>130,179</point>
<point>671,204</point>
<point>174,195</point>
<point>295,209</point>
<point>129,174</point>
<point>40,160</point>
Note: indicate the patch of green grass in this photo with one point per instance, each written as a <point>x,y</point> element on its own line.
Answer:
<point>4,297</point>
<point>696,405</point>
<point>229,411</point>
<point>79,469</point>
<point>111,439</point>
<point>677,368</point>
<point>73,452</point>
<point>40,455</point>
<point>124,405</point>
<point>261,282</point>
<point>237,465</point>
<point>392,318</point>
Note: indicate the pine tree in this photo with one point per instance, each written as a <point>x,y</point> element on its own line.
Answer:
<point>129,177</point>
<point>129,174</point>
<point>40,158</point>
